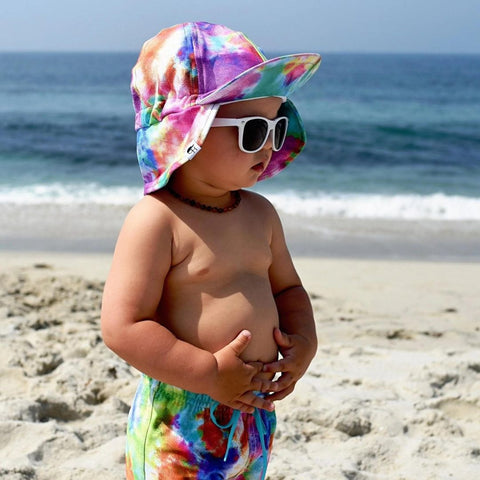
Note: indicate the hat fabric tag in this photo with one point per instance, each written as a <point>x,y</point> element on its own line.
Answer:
<point>192,150</point>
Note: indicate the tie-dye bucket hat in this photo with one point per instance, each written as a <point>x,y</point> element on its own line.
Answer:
<point>182,76</point>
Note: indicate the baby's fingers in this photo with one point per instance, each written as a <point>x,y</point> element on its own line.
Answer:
<point>280,395</point>
<point>243,407</point>
<point>283,382</point>
<point>256,367</point>
<point>278,366</point>
<point>263,385</point>
<point>252,400</point>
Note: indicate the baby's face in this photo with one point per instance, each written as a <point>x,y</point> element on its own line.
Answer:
<point>221,162</point>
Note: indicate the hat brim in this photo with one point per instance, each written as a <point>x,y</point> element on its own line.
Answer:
<point>279,76</point>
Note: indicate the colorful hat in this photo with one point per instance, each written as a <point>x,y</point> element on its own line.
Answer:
<point>181,77</point>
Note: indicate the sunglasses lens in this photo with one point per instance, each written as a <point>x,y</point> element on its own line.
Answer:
<point>254,133</point>
<point>280,133</point>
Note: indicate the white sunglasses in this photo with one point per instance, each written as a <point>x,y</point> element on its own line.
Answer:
<point>253,132</point>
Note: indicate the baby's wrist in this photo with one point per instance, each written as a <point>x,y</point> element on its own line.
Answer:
<point>208,375</point>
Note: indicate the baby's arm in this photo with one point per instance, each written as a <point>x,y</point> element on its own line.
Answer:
<point>132,293</point>
<point>296,338</point>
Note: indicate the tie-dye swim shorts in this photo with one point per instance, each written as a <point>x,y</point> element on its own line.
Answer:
<point>176,434</point>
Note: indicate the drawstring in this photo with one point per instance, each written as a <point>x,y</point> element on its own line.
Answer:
<point>232,425</point>
<point>261,431</point>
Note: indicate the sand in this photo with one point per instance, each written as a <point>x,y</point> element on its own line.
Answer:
<point>393,392</point>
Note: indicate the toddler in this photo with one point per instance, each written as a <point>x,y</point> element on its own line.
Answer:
<point>202,295</point>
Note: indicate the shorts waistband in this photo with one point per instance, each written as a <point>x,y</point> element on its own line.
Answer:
<point>178,397</point>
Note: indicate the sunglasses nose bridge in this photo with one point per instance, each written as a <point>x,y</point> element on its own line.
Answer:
<point>269,141</point>
<point>270,137</point>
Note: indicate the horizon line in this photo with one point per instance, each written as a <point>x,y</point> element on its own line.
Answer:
<point>326,52</point>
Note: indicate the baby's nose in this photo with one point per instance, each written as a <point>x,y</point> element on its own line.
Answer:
<point>269,143</point>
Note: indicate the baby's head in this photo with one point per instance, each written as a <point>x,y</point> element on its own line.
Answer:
<point>186,73</point>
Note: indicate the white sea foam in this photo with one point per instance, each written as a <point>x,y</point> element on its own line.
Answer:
<point>396,207</point>
<point>346,205</point>
<point>74,194</point>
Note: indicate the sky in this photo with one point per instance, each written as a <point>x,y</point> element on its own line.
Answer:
<point>286,26</point>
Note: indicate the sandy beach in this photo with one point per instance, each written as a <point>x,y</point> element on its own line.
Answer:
<point>393,393</point>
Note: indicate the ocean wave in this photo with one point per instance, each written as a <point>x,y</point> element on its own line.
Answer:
<point>438,206</point>
<point>70,194</point>
<point>378,206</point>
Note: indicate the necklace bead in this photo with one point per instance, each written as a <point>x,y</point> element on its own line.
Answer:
<point>209,208</point>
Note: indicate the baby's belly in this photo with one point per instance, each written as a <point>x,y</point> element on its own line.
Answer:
<point>211,320</point>
<point>226,320</point>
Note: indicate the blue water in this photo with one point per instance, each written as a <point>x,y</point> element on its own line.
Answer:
<point>395,136</point>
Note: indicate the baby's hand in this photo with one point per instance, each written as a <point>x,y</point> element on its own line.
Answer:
<point>297,355</point>
<point>235,381</point>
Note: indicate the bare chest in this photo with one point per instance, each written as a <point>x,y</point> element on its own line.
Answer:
<point>221,249</point>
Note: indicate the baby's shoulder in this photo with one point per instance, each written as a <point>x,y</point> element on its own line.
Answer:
<point>260,205</point>
<point>150,213</point>
<point>255,200</point>
<point>146,231</point>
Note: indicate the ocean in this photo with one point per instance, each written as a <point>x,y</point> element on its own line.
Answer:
<point>392,138</point>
